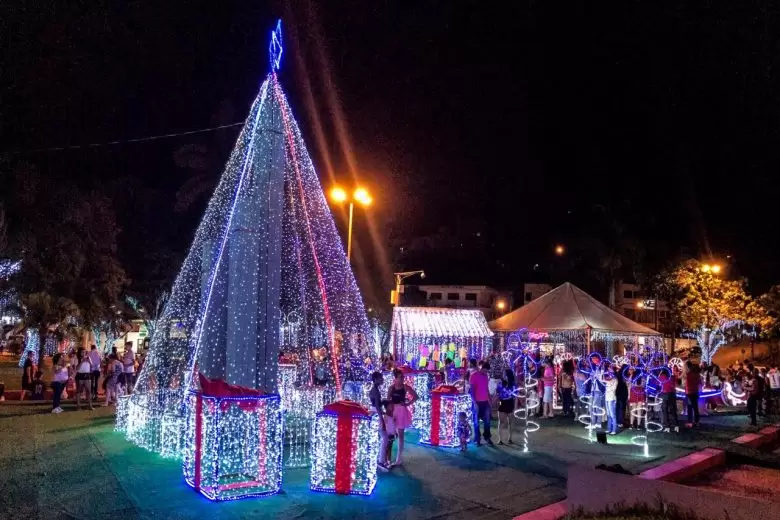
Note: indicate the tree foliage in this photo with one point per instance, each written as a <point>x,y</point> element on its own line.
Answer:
<point>715,309</point>
<point>66,239</point>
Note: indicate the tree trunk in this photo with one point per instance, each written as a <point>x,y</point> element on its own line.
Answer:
<point>43,332</point>
<point>612,290</point>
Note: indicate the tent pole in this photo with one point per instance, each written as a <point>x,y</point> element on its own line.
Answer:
<point>587,339</point>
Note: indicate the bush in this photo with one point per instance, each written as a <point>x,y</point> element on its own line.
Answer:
<point>659,511</point>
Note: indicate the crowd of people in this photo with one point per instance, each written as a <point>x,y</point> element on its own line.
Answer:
<point>615,396</point>
<point>82,374</point>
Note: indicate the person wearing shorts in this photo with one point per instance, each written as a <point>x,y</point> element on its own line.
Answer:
<point>128,363</point>
<point>402,396</point>
<point>84,378</point>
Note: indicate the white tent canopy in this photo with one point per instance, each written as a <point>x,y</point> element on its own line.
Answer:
<point>568,307</point>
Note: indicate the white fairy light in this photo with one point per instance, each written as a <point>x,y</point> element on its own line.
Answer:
<point>266,267</point>
<point>359,436</point>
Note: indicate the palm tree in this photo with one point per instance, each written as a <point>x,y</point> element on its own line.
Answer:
<point>612,248</point>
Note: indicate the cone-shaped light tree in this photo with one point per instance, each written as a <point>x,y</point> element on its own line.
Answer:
<point>266,272</point>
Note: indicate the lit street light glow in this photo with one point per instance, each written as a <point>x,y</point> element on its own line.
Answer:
<point>559,250</point>
<point>362,196</point>
<point>707,268</point>
<point>338,194</point>
<point>501,305</point>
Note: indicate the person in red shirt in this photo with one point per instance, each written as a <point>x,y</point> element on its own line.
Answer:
<point>692,385</point>
<point>669,401</point>
<point>479,382</point>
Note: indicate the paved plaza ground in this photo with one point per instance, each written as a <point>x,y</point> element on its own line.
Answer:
<point>74,466</point>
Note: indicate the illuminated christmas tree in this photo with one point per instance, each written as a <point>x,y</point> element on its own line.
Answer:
<point>266,274</point>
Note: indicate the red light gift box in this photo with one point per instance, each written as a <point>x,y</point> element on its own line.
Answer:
<point>233,441</point>
<point>442,427</point>
<point>345,447</point>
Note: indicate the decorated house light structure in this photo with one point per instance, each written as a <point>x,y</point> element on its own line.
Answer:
<point>423,337</point>
<point>266,249</point>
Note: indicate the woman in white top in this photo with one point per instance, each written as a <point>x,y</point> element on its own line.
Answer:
<point>84,379</point>
<point>59,381</point>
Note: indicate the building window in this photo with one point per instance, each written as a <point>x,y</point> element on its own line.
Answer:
<point>453,296</point>
<point>471,296</point>
<point>435,296</point>
<point>528,297</point>
<point>628,295</point>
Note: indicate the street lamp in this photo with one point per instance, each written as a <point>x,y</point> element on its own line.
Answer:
<point>340,196</point>
<point>395,296</point>
<point>559,250</point>
<point>501,305</point>
<point>711,268</point>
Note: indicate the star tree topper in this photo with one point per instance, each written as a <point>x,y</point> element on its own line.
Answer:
<point>275,48</point>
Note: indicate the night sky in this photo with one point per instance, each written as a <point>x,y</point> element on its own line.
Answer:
<point>487,131</point>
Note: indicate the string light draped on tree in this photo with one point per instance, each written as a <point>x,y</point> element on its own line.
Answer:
<point>267,248</point>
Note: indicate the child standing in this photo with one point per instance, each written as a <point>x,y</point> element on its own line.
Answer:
<point>464,430</point>
<point>38,387</point>
<point>390,431</point>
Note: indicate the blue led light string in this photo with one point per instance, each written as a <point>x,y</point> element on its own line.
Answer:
<point>647,369</point>
<point>594,385</point>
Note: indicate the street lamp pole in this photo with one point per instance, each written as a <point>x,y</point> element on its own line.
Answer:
<point>349,233</point>
<point>400,277</point>
<point>362,197</point>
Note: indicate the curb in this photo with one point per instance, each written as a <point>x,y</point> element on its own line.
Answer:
<point>767,435</point>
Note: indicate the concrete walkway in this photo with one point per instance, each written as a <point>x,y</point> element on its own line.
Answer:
<point>73,465</point>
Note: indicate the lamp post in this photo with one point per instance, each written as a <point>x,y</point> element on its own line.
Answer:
<point>395,297</point>
<point>362,197</point>
<point>712,270</point>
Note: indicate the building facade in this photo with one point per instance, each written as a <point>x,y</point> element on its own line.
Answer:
<point>532,291</point>
<point>492,302</point>
<point>633,303</point>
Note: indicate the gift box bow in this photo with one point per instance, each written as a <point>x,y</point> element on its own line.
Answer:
<point>219,388</point>
<point>446,390</point>
<point>346,408</point>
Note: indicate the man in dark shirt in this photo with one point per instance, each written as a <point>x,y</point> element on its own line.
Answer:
<point>375,395</point>
<point>27,376</point>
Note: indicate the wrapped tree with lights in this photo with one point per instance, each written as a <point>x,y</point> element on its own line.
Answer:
<point>267,248</point>
<point>715,309</point>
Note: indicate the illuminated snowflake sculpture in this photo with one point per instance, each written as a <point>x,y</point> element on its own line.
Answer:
<point>647,369</point>
<point>267,247</point>
<point>523,357</point>
<point>593,366</point>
